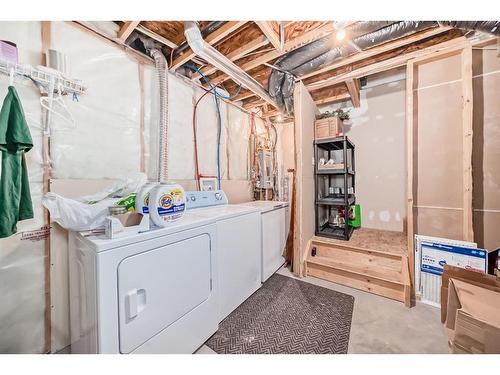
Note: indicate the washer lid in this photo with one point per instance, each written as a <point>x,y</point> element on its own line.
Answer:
<point>188,221</point>
<point>265,206</point>
<point>225,211</point>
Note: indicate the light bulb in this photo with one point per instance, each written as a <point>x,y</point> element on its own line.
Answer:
<point>340,35</point>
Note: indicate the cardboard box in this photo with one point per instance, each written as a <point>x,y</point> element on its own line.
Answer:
<point>329,127</point>
<point>473,316</point>
<point>475,278</point>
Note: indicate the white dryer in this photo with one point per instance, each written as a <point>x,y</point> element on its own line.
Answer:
<point>153,292</point>
<point>275,226</point>
<point>238,246</point>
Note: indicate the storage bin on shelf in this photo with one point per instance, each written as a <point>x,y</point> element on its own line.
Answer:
<point>328,127</point>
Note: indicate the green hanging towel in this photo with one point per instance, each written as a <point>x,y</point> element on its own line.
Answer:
<point>15,140</point>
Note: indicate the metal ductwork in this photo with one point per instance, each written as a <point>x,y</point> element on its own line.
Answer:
<point>362,35</point>
<point>489,27</point>
<point>213,26</point>
<point>221,62</point>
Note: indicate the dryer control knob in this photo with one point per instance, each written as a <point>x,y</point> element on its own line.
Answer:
<point>193,198</point>
<point>218,196</point>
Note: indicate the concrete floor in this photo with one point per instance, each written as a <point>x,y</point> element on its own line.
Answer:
<point>381,325</point>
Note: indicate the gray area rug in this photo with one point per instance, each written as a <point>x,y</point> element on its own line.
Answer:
<point>287,316</point>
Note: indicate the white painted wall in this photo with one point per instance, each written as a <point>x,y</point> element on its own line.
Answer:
<point>378,132</point>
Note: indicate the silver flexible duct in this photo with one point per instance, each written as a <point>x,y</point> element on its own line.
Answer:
<point>221,62</point>
<point>161,70</point>
<point>363,35</point>
<point>490,27</point>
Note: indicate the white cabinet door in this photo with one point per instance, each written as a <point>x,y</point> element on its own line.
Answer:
<point>273,241</point>
<point>160,286</point>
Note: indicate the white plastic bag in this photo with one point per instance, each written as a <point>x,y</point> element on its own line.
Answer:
<point>90,212</point>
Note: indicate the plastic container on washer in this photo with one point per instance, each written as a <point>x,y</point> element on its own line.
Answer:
<point>167,203</point>
<point>142,199</point>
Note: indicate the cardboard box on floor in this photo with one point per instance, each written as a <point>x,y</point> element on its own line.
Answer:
<point>472,312</point>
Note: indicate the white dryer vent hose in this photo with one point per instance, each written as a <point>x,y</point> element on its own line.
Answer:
<point>161,70</point>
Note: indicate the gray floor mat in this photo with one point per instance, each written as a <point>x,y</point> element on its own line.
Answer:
<point>287,316</point>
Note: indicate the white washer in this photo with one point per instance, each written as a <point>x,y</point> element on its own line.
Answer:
<point>238,246</point>
<point>275,226</point>
<point>153,292</point>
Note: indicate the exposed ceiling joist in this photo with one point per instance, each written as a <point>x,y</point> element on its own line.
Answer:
<point>219,34</point>
<point>271,114</point>
<point>240,52</point>
<point>271,34</point>
<point>254,104</point>
<point>378,50</point>
<point>333,99</point>
<point>353,87</point>
<point>385,64</point>
<point>156,36</point>
<point>289,46</point>
<point>127,28</point>
<point>243,96</point>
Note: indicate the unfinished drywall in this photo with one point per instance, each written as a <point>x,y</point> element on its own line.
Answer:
<point>378,132</point>
<point>305,112</point>
<point>486,147</point>
<point>22,260</point>
<point>438,165</point>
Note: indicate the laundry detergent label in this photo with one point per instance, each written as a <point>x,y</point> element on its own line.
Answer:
<point>171,203</point>
<point>145,206</point>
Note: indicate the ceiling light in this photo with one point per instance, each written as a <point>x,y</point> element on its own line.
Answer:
<point>340,35</point>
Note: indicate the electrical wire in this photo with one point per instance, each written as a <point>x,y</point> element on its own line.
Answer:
<point>212,87</point>
<point>196,161</point>
<point>219,135</point>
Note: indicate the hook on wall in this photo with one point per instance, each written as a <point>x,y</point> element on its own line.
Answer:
<point>11,77</point>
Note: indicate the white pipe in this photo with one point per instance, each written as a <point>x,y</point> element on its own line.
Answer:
<point>221,62</point>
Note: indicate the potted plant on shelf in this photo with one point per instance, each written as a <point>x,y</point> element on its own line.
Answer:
<point>340,113</point>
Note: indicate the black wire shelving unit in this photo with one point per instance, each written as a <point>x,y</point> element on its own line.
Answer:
<point>340,178</point>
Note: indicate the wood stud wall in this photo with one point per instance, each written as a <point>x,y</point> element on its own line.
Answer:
<point>464,48</point>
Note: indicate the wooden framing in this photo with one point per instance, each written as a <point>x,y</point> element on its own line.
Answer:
<point>216,36</point>
<point>464,48</point>
<point>378,50</point>
<point>240,52</point>
<point>467,121</point>
<point>333,99</point>
<point>127,28</point>
<point>410,226</point>
<point>288,46</point>
<point>46,36</point>
<point>353,87</point>
<point>156,36</point>
<point>435,50</point>
<point>270,33</point>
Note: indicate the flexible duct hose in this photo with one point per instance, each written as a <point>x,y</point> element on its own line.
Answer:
<point>322,52</point>
<point>161,70</point>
